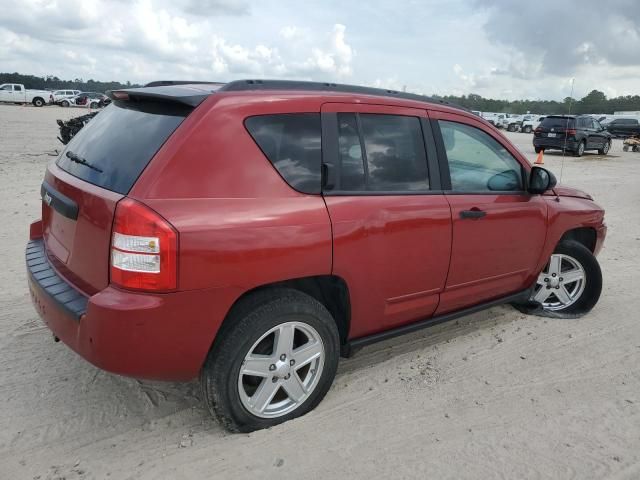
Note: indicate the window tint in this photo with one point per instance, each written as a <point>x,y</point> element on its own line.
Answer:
<point>394,149</point>
<point>558,122</point>
<point>477,162</point>
<point>17,88</point>
<point>113,149</point>
<point>350,152</point>
<point>292,144</point>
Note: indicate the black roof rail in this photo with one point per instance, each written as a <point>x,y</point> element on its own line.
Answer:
<point>166,83</point>
<point>245,85</point>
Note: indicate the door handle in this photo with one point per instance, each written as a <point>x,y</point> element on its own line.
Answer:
<point>472,214</point>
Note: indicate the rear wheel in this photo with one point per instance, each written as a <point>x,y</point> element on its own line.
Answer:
<point>571,282</point>
<point>64,103</point>
<point>605,148</point>
<point>527,129</point>
<point>580,150</point>
<point>38,102</point>
<point>275,360</point>
<point>625,148</point>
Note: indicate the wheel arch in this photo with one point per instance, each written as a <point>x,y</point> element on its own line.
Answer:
<point>585,235</point>
<point>331,291</point>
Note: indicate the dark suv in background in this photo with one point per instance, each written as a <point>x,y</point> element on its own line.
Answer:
<point>624,127</point>
<point>571,133</point>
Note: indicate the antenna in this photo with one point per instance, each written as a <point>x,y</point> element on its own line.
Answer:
<point>566,127</point>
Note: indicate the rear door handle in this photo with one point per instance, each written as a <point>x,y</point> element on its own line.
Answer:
<point>473,214</point>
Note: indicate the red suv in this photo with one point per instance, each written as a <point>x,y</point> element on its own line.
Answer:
<point>251,233</point>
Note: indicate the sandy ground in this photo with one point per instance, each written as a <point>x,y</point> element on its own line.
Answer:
<point>494,395</point>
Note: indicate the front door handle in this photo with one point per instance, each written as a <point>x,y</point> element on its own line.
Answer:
<point>473,214</point>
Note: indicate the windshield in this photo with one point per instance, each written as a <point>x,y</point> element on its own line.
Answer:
<point>113,149</point>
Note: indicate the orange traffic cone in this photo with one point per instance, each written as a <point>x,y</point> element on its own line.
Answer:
<point>540,159</point>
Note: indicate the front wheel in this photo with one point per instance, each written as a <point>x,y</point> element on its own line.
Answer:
<point>64,103</point>
<point>571,282</point>
<point>38,102</point>
<point>605,148</point>
<point>274,360</point>
<point>527,129</point>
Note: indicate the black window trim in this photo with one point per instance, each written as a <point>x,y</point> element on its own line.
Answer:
<point>331,159</point>
<point>446,174</point>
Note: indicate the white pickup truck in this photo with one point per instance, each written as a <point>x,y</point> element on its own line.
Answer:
<point>16,93</point>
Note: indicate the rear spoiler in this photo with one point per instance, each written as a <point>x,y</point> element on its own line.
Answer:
<point>191,94</point>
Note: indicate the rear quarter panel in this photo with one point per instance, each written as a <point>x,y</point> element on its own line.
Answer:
<point>239,222</point>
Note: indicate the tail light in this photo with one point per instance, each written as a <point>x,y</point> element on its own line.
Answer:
<point>144,249</point>
<point>570,132</point>
<point>538,129</point>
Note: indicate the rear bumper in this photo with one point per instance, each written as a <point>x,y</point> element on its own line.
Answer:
<point>554,143</point>
<point>152,336</point>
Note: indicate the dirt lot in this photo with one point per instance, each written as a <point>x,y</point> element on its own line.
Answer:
<point>495,395</point>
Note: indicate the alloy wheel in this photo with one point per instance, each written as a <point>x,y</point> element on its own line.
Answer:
<point>561,283</point>
<point>281,370</point>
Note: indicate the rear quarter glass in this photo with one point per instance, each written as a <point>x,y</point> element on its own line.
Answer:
<point>113,149</point>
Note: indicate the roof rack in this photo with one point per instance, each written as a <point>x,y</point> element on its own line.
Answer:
<point>245,85</point>
<point>166,83</point>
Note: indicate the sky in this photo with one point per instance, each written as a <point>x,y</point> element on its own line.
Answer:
<point>495,48</point>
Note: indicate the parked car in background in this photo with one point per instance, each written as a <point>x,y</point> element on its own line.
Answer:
<point>86,99</point>
<point>571,133</point>
<point>60,95</point>
<point>623,127</point>
<point>514,122</point>
<point>531,124</point>
<point>16,93</point>
<point>251,233</point>
<point>495,119</point>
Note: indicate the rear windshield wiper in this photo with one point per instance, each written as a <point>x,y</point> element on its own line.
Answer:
<point>76,158</point>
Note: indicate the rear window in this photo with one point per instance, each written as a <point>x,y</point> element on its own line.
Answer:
<point>292,143</point>
<point>113,149</point>
<point>558,122</point>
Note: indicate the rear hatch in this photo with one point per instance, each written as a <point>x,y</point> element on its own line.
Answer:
<point>95,171</point>
<point>556,127</point>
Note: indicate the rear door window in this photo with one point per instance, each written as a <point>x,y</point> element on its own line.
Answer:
<point>112,150</point>
<point>381,153</point>
<point>292,143</point>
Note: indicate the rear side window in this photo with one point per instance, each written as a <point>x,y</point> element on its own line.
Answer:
<point>559,122</point>
<point>292,143</point>
<point>393,158</point>
<point>112,150</point>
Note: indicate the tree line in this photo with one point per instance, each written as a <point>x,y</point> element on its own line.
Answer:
<point>595,102</point>
<point>51,82</point>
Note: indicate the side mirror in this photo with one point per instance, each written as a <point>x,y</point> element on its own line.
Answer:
<point>541,180</point>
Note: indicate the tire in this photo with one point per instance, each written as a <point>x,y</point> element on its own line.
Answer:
<point>64,103</point>
<point>573,260</point>
<point>38,102</point>
<point>605,148</point>
<point>511,128</point>
<point>635,148</point>
<point>625,148</point>
<point>527,129</point>
<point>580,150</point>
<point>94,105</point>
<point>228,393</point>
<point>538,149</point>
